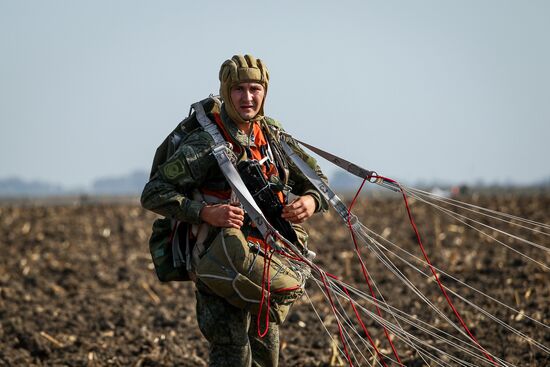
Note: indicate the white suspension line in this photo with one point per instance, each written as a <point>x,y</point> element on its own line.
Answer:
<point>390,267</point>
<point>354,329</point>
<point>463,205</point>
<point>437,337</point>
<point>503,323</point>
<point>318,282</point>
<point>456,217</point>
<point>369,276</point>
<point>445,210</point>
<point>492,317</point>
<point>336,313</point>
<point>395,270</point>
<point>510,222</point>
<point>322,322</point>
<point>384,322</point>
<point>341,329</point>
<point>409,319</point>
<point>389,310</point>
<point>422,261</point>
<point>398,331</point>
<point>479,308</point>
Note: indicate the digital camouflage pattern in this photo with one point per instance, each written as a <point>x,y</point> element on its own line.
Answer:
<point>178,170</point>
<point>232,334</point>
<point>192,166</point>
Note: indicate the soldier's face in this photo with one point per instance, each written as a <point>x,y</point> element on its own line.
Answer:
<point>247,99</point>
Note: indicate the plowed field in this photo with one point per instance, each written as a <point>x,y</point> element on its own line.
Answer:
<point>77,286</point>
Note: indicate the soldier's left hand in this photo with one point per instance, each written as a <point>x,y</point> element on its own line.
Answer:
<point>299,209</point>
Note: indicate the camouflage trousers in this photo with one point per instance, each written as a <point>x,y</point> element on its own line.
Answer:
<point>232,334</point>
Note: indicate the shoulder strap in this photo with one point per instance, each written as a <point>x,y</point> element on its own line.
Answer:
<point>221,153</point>
<point>323,188</point>
<point>208,125</point>
<point>222,131</point>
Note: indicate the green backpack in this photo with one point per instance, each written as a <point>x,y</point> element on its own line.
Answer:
<point>168,243</point>
<point>167,252</point>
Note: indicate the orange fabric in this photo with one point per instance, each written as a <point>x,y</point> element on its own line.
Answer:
<point>258,240</point>
<point>224,195</point>
<point>259,142</point>
<point>225,133</point>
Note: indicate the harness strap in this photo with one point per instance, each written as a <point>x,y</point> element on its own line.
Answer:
<point>207,125</point>
<point>221,153</point>
<point>351,167</point>
<point>228,137</point>
<point>322,187</point>
<point>340,162</point>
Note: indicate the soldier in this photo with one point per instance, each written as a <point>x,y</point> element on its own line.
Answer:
<point>187,185</point>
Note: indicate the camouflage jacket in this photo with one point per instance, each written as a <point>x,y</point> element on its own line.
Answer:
<point>175,174</point>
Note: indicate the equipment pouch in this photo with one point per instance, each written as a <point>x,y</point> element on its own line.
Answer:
<point>233,269</point>
<point>168,265</point>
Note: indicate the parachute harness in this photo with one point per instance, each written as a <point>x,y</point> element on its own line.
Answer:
<point>273,240</point>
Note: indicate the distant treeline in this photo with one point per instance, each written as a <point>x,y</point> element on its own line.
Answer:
<point>132,184</point>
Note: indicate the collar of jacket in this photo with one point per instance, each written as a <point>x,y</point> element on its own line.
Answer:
<point>237,135</point>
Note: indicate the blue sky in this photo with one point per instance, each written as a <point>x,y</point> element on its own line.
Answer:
<point>425,90</point>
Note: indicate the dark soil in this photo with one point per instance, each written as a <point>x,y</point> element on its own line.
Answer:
<point>77,287</point>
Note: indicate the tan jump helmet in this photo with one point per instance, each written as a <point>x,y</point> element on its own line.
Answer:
<point>241,69</point>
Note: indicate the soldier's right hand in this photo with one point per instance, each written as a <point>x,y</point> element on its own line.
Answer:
<point>223,215</point>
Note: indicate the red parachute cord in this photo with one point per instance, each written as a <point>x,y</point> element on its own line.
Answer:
<point>333,306</point>
<point>290,257</point>
<point>449,302</point>
<point>265,278</point>
<point>364,270</point>
<point>380,356</point>
<point>340,331</point>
